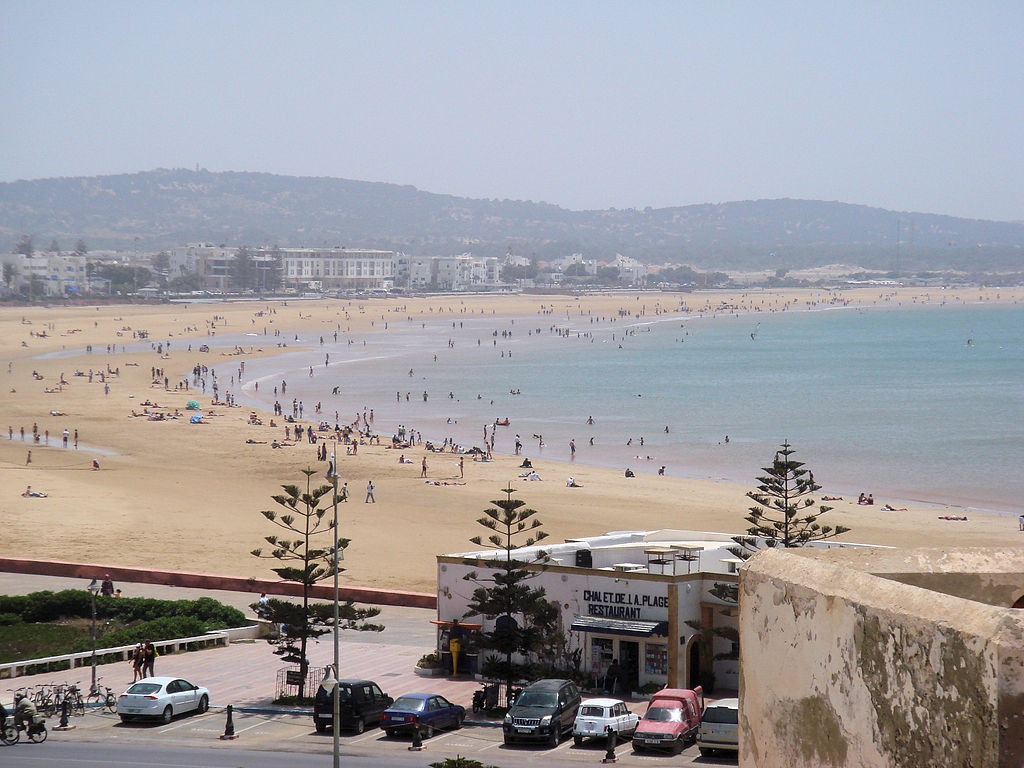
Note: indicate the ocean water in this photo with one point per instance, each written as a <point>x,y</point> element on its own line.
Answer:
<point>907,404</point>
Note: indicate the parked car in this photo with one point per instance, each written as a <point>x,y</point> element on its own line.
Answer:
<point>544,711</point>
<point>719,728</point>
<point>433,712</point>
<point>596,716</point>
<point>362,704</point>
<point>671,721</point>
<point>162,698</point>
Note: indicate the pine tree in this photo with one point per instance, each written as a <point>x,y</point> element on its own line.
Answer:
<point>523,615</point>
<point>313,563</point>
<point>785,514</point>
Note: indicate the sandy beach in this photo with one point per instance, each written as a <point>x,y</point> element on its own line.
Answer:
<point>185,496</point>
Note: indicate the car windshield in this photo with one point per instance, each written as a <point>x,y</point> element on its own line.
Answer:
<point>144,689</point>
<point>408,704</point>
<point>721,715</point>
<point>536,699</point>
<point>592,711</point>
<point>663,715</point>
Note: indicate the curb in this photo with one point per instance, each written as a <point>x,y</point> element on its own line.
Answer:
<point>258,710</point>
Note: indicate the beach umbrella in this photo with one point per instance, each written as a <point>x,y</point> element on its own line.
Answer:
<point>193,405</point>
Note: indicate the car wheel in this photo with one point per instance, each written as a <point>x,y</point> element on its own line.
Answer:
<point>427,731</point>
<point>577,740</point>
<point>124,718</point>
<point>167,714</point>
<point>679,745</point>
<point>704,751</point>
<point>509,741</point>
<point>321,727</point>
<point>459,719</point>
<point>204,704</point>
<point>389,732</point>
<point>554,738</point>
<point>359,726</point>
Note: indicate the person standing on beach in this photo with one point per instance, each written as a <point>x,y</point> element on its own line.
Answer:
<point>462,470</point>
<point>423,467</point>
<point>369,493</point>
<point>572,449</point>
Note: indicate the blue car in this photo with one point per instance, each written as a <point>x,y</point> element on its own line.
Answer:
<point>433,712</point>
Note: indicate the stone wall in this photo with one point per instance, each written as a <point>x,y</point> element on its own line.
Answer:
<point>845,667</point>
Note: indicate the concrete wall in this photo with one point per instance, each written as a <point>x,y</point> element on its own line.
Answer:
<point>842,667</point>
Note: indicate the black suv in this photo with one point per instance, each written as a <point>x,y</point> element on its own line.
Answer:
<point>361,704</point>
<point>544,711</point>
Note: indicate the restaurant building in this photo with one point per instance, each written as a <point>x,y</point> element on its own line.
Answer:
<point>642,598</point>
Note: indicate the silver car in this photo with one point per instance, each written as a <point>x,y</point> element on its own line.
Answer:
<point>162,698</point>
<point>719,727</point>
<point>596,716</point>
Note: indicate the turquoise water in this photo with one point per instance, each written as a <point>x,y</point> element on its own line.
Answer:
<point>916,404</point>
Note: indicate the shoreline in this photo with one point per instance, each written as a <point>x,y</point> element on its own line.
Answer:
<point>188,496</point>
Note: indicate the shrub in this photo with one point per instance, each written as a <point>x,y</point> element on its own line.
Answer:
<point>166,628</point>
<point>75,603</point>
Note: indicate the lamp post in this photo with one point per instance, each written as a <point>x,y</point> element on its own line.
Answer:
<point>332,473</point>
<point>94,590</point>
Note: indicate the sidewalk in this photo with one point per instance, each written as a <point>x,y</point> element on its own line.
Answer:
<point>244,674</point>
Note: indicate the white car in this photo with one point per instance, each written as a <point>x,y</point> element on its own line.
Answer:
<point>162,698</point>
<point>597,715</point>
<point>719,727</point>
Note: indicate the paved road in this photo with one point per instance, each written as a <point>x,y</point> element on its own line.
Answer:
<point>101,739</point>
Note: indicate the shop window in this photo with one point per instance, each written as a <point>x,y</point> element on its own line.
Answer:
<point>655,659</point>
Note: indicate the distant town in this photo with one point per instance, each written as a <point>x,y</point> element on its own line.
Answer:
<point>201,269</point>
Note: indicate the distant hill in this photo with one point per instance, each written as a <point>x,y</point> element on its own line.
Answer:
<point>164,208</point>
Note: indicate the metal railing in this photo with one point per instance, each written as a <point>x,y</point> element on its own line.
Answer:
<point>105,655</point>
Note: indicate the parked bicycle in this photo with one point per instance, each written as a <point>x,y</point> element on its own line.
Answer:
<point>102,696</point>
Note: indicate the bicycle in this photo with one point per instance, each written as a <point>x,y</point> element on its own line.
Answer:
<point>102,696</point>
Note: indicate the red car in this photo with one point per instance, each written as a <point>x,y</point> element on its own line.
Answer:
<point>671,721</point>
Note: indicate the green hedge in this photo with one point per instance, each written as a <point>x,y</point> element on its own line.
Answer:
<point>167,628</point>
<point>75,603</point>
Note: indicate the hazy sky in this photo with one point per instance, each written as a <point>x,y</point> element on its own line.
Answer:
<point>915,106</point>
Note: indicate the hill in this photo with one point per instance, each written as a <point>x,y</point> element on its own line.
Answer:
<point>163,208</point>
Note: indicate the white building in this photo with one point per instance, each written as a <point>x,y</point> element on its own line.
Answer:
<point>627,595</point>
<point>337,268</point>
<point>59,274</point>
<point>449,273</point>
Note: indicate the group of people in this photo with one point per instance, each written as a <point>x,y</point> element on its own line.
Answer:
<point>142,660</point>
<point>866,499</point>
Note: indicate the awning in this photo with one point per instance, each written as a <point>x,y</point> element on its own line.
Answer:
<point>604,626</point>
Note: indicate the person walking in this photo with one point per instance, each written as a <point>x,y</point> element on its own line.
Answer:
<point>136,662</point>
<point>107,587</point>
<point>369,492</point>
<point>149,655</point>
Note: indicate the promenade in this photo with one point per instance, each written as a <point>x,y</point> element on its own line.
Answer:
<point>244,673</point>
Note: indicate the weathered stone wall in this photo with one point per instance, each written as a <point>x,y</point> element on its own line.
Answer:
<point>841,667</point>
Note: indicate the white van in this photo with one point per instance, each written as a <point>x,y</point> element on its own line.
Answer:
<point>719,727</point>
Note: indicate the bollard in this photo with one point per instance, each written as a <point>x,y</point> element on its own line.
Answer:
<point>64,726</point>
<point>229,727</point>
<point>417,737</point>
<point>609,746</point>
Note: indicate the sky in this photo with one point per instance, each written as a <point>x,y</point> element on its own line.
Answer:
<point>911,106</point>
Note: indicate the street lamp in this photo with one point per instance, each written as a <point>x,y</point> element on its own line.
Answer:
<point>332,473</point>
<point>94,590</point>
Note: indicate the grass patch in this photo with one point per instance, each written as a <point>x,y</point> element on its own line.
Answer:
<point>34,641</point>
